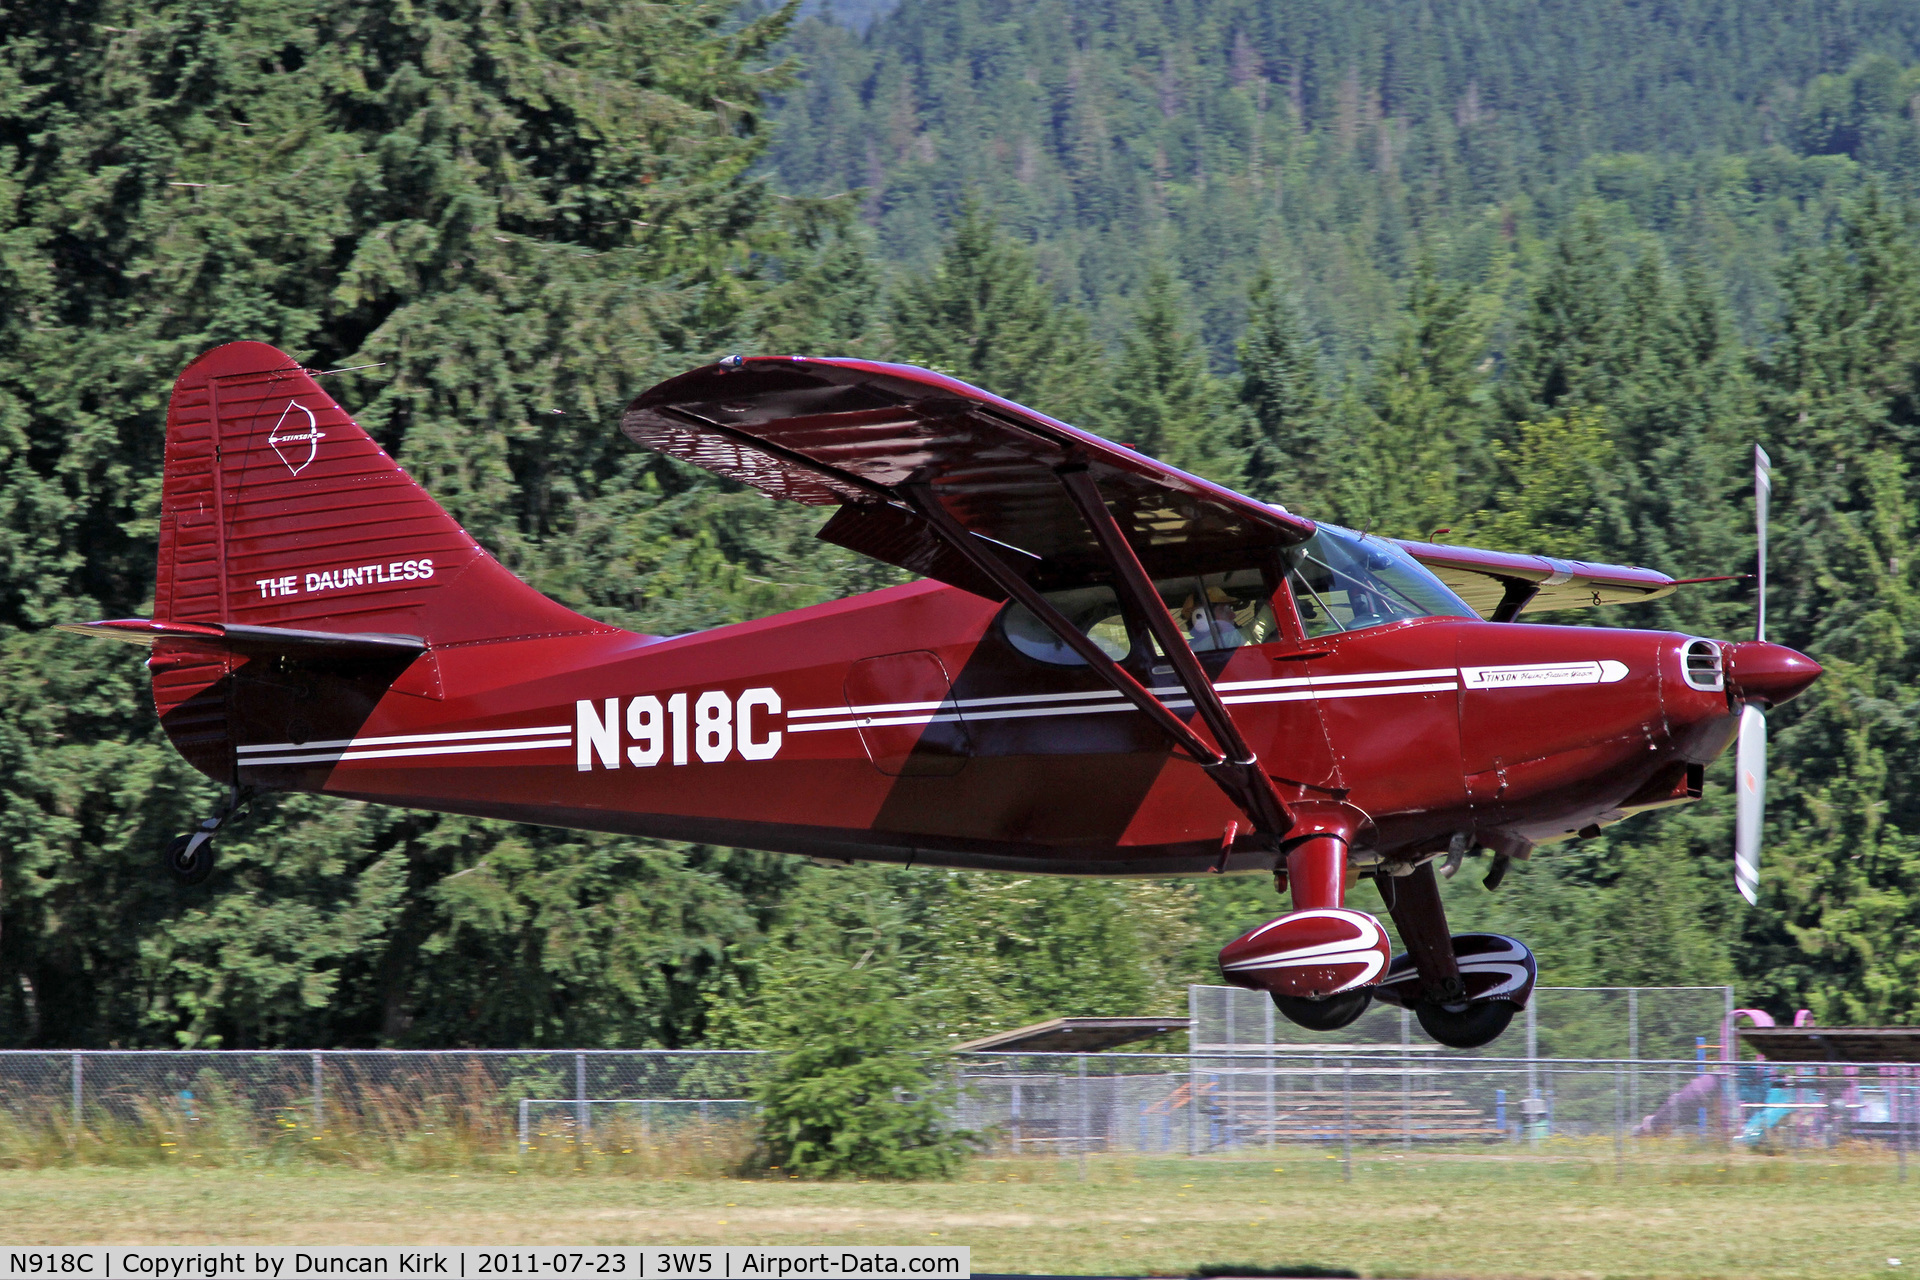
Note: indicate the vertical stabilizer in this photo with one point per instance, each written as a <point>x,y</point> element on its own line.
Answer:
<point>278,510</point>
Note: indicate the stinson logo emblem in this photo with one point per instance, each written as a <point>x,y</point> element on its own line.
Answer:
<point>287,437</point>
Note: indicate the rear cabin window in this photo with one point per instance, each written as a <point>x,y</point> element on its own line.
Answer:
<point>1094,610</point>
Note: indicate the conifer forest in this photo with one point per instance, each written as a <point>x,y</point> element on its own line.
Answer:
<point>1535,272</point>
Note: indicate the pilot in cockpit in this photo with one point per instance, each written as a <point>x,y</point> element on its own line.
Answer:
<point>1213,627</point>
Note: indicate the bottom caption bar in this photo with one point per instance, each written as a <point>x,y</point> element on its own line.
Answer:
<point>464,1262</point>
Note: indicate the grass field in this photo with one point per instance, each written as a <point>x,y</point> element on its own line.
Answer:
<point>1572,1214</point>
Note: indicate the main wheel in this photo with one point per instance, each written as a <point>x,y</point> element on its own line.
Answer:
<point>1330,1014</point>
<point>186,862</point>
<point>1465,1026</point>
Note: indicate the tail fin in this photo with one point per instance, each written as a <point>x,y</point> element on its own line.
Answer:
<point>277,510</point>
<point>303,575</point>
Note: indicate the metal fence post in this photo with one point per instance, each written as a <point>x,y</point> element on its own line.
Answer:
<point>318,1114</point>
<point>1533,1048</point>
<point>1633,1050</point>
<point>582,1123</point>
<point>1903,1118</point>
<point>1346,1120</point>
<point>1014,1114</point>
<point>1619,1124</point>
<point>1272,1119</point>
<point>1193,1105</point>
<point>1406,1079</point>
<point>523,1126</point>
<point>1406,1104</point>
<point>1086,1116</point>
<point>77,1078</point>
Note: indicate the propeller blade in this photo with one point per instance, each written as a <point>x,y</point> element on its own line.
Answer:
<point>1762,491</point>
<point>1750,751</point>
<point>1750,793</point>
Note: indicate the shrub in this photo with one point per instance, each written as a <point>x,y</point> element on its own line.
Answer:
<point>851,1098</point>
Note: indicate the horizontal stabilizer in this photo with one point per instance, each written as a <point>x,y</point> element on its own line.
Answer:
<point>249,641</point>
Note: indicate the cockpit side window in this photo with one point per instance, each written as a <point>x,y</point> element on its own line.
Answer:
<point>1216,611</point>
<point>1343,582</point>
<point>1220,611</point>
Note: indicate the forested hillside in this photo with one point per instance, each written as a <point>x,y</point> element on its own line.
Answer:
<point>1335,143</point>
<point>1539,273</point>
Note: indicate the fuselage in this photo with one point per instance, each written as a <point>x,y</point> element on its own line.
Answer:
<point>905,725</point>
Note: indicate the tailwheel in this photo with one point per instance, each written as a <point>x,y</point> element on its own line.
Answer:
<point>188,858</point>
<point>1467,1026</point>
<point>1329,1013</point>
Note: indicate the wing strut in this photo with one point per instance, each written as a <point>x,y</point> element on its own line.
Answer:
<point>954,535</point>
<point>1240,774</point>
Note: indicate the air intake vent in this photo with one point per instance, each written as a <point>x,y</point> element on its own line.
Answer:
<point>1700,664</point>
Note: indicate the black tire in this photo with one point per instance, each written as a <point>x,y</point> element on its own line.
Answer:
<point>184,870</point>
<point>1467,1026</point>
<point>1329,1014</point>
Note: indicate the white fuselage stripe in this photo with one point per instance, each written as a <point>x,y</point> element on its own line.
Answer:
<point>468,735</point>
<point>949,712</point>
<point>878,715</point>
<point>341,757</point>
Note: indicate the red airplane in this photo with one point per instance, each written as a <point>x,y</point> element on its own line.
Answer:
<point>1110,667</point>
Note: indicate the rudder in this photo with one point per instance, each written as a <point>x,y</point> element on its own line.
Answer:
<point>278,510</point>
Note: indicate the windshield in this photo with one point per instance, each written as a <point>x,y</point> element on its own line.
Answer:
<point>1342,582</point>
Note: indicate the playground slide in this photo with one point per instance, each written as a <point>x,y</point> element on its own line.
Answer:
<point>1701,1091</point>
<point>1768,1116</point>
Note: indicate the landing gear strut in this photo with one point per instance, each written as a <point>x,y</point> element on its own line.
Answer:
<point>1324,963</point>
<point>188,858</point>
<point>1320,960</point>
<point>1464,987</point>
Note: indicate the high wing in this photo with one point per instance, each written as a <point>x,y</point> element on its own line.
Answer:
<point>861,433</point>
<point>1502,585</point>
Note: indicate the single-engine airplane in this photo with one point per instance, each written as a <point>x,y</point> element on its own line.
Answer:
<point>1109,667</point>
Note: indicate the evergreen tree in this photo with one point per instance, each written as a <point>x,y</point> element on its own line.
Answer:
<point>1681,419</point>
<point>1841,883</point>
<point>1564,347</point>
<point>1165,401</point>
<point>1418,459</point>
<point>1285,405</point>
<point>521,216</point>
<point>984,315</point>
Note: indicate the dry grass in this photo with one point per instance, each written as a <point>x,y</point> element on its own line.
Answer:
<point>464,1128</point>
<point>1565,1211</point>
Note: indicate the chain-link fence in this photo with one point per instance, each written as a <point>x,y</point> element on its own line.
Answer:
<point>1630,1024</point>
<point>1629,1064</point>
<point>1242,1101</point>
<point>1667,1023</point>
<point>1225,1098</point>
<point>318,1088</point>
